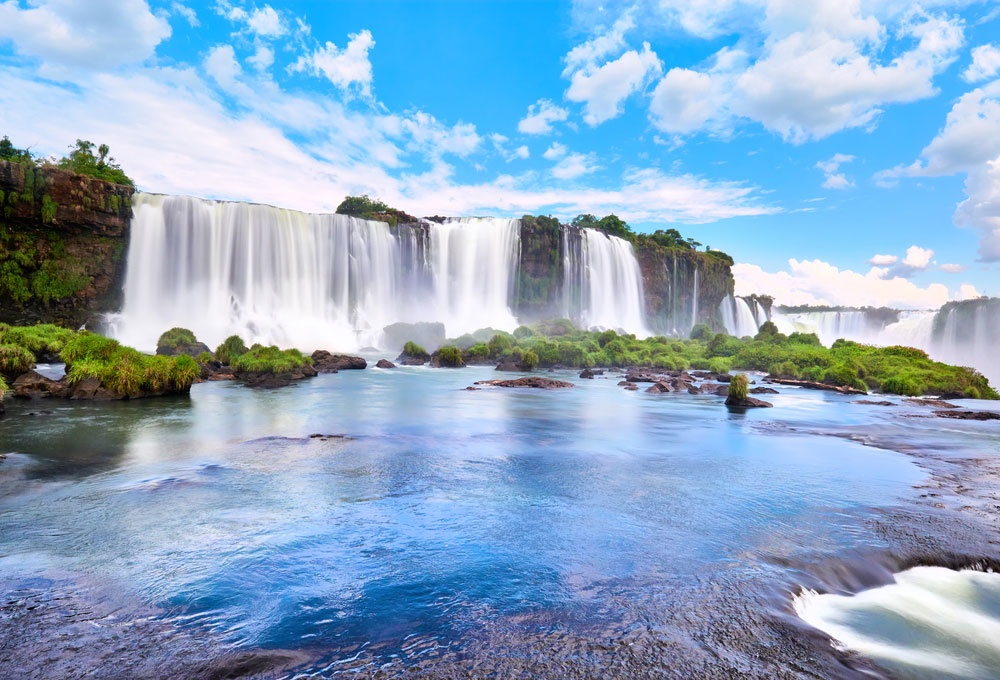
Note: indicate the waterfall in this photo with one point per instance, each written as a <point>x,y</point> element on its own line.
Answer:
<point>738,316</point>
<point>694,301</point>
<point>308,281</point>
<point>614,297</point>
<point>293,279</point>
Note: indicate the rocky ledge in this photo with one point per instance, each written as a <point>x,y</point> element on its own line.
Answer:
<point>530,381</point>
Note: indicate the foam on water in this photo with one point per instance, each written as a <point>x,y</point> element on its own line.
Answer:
<point>931,623</point>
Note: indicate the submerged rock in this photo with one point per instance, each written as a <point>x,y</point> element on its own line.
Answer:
<point>332,363</point>
<point>869,402</point>
<point>763,390</point>
<point>749,402</point>
<point>530,381</point>
<point>968,415</point>
<point>936,403</point>
<point>813,385</point>
<point>384,363</point>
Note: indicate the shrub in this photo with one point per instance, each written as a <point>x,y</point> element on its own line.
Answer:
<point>176,337</point>
<point>739,386</point>
<point>529,361</point>
<point>81,160</point>
<point>15,360</point>
<point>701,332</point>
<point>784,369</point>
<point>3,387</point>
<point>231,347</point>
<point>477,353</point>
<point>522,332</point>
<point>36,339</point>
<point>416,351</point>
<point>450,357</point>
<point>500,345</point>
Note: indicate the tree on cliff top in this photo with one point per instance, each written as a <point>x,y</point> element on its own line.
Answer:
<point>9,152</point>
<point>372,209</point>
<point>83,161</point>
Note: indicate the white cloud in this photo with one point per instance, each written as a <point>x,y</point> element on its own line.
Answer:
<point>985,64</point>
<point>263,58</point>
<point>967,291</point>
<point>349,68</point>
<point>189,14</point>
<point>953,268</point>
<point>540,117</point>
<point>917,257</point>
<point>603,89</point>
<point>814,282</point>
<point>266,22</point>
<point>555,151</point>
<point>969,143</point>
<point>69,35</point>
<point>522,152</point>
<point>500,144</point>
<point>575,165</point>
<point>816,68</point>
<point>426,134</point>
<point>831,169</point>
<point>883,260</point>
<point>587,54</point>
<point>222,65</point>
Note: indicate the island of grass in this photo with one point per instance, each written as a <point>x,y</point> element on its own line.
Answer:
<point>799,356</point>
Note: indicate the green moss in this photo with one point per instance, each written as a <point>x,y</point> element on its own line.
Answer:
<point>416,351</point>
<point>38,339</point>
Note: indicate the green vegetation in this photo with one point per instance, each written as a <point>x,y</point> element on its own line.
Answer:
<point>895,370</point>
<point>9,152</point>
<point>415,351</point>
<point>260,359</point>
<point>176,337</point>
<point>123,370</point>
<point>3,387</point>
<point>37,268</point>
<point>15,360</point>
<point>372,209</point>
<point>83,161</point>
<point>231,348</point>
<point>739,386</point>
<point>450,357</point>
<point>40,340</point>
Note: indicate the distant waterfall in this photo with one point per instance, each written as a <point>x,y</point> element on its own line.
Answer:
<point>293,279</point>
<point>602,283</point>
<point>961,333</point>
<point>741,316</point>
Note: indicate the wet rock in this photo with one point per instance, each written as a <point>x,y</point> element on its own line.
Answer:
<point>749,402</point>
<point>631,387</point>
<point>530,381</point>
<point>763,390</point>
<point>723,377</point>
<point>192,349</point>
<point>642,376</point>
<point>968,415</point>
<point>384,363</point>
<point>721,391</point>
<point>661,387</point>
<point>869,402</point>
<point>624,383</point>
<point>935,403</point>
<point>587,373</point>
<point>508,366</point>
<point>34,385</point>
<point>332,363</point>
<point>268,380</point>
<point>90,389</point>
<point>693,389</point>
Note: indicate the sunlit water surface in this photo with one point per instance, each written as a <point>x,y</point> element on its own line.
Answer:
<point>435,512</point>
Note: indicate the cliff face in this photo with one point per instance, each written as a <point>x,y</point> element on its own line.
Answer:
<point>63,239</point>
<point>668,277</point>
<point>540,269</point>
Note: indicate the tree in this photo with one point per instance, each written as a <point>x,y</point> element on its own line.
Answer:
<point>81,160</point>
<point>9,152</point>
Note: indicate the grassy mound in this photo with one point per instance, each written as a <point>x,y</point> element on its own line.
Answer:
<point>125,371</point>
<point>260,359</point>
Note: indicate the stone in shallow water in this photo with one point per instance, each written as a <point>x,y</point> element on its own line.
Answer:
<point>528,381</point>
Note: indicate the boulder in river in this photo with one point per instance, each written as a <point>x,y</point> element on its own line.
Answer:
<point>968,415</point>
<point>529,381</point>
<point>384,363</point>
<point>34,385</point>
<point>332,363</point>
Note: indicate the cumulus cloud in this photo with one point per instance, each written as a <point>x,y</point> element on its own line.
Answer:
<point>985,64</point>
<point>814,282</point>
<point>817,69</point>
<point>187,13</point>
<point>500,144</point>
<point>348,68</point>
<point>540,117</point>
<point>602,84</point>
<point>883,260</point>
<point>953,268</point>
<point>555,151</point>
<point>831,169</point>
<point>573,165</point>
<point>266,22</point>
<point>68,35</point>
<point>969,143</point>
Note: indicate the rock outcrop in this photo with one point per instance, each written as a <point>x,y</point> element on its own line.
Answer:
<point>62,244</point>
<point>531,381</point>
<point>332,363</point>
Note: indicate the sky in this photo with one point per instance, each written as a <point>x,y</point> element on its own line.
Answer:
<point>844,152</point>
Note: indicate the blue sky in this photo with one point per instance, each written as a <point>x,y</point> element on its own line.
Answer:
<point>843,151</point>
